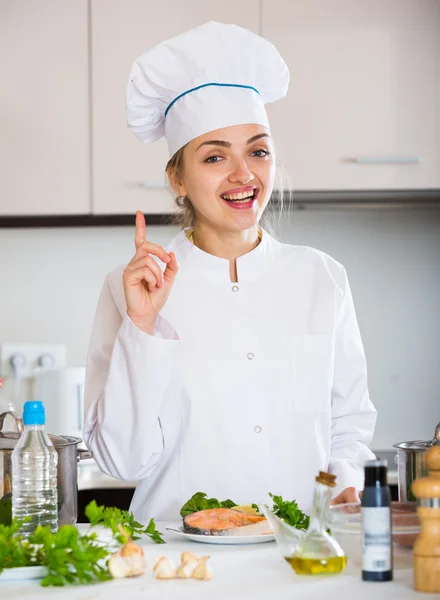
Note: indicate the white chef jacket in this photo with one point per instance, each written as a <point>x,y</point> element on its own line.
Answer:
<point>243,389</point>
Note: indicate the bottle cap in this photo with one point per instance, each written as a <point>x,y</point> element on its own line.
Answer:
<point>376,473</point>
<point>33,413</point>
<point>327,479</point>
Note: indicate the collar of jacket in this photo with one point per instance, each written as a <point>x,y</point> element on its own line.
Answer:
<point>250,266</point>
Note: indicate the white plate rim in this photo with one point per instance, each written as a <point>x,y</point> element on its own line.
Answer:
<point>23,573</point>
<point>222,539</point>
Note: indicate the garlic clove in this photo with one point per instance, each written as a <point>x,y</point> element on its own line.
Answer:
<point>135,558</point>
<point>157,561</point>
<point>186,570</point>
<point>131,549</point>
<point>129,561</point>
<point>165,569</point>
<point>136,566</point>
<point>202,570</point>
<point>117,566</point>
<point>189,557</point>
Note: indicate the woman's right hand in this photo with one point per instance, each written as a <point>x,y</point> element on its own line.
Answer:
<point>146,287</point>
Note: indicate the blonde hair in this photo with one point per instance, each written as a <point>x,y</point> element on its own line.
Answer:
<point>186,215</point>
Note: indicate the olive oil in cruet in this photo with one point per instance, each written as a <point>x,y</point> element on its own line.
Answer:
<point>319,553</point>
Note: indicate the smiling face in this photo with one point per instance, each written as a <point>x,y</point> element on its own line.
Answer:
<point>228,175</point>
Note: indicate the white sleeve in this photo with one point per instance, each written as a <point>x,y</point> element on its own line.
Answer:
<point>353,416</point>
<point>128,373</point>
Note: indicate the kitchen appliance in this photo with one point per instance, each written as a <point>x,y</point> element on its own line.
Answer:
<point>62,393</point>
<point>410,463</point>
<point>68,456</point>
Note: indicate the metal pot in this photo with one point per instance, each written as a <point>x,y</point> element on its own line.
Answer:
<point>67,475</point>
<point>410,464</point>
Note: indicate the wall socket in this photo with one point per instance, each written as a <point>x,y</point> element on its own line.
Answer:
<point>29,358</point>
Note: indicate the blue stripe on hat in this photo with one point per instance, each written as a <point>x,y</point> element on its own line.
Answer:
<point>236,85</point>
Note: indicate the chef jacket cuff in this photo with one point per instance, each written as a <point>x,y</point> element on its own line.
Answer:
<point>349,473</point>
<point>162,330</point>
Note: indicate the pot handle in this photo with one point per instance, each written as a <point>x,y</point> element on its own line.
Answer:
<point>18,420</point>
<point>82,454</point>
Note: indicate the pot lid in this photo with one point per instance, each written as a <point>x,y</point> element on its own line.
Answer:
<point>419,445</point>
<point>8,439</point>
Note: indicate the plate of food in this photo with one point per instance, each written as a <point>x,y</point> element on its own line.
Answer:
<point>22,573</point>
<point>209,521</point>
<point>224,539</point>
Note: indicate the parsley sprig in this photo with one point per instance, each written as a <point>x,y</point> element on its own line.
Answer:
<point>71,557</point>
<point>290,512</point>
<point>14,551</point>
<point>114,518</point>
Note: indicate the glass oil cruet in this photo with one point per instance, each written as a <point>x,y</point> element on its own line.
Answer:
<point>319,553</point>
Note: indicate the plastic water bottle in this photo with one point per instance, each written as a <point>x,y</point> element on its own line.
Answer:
<point>34,473</point>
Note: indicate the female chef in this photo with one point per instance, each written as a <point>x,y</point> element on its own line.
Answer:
<point>229,363</point>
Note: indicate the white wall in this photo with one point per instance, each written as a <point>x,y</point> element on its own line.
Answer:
<point>50,280</point>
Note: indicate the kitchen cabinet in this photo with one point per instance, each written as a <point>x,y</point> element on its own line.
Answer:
<point>362,112</point>
<point>363,109</point>
<point>44,125</point>
<point>126,174</point>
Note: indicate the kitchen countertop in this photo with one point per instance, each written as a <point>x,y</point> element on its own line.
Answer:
<point>255,572</point>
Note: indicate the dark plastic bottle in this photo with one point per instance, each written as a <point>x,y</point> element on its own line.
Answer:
<point>377,545</point>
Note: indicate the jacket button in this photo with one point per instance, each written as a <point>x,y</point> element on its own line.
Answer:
<point>257,429</point>
<point>235,288</point>
<point>250,355</point>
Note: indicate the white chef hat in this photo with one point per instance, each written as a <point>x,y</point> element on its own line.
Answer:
<point>213,76</point>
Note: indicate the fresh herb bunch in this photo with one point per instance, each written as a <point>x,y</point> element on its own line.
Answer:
<point>199,501</point>
<point>290,513</point>
<point>69,556</point>
<point>14,550</point>
<point>114,517</point>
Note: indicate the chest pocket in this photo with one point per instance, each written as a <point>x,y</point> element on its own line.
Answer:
<point>311,371</point>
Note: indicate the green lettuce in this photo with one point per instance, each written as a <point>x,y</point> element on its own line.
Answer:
<point>199,501</point>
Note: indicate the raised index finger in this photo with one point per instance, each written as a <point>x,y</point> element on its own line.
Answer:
<point>141,229</point>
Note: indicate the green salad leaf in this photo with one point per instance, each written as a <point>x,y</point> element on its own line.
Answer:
<point>199,501</point>
<point>228,504</point>
<point>114,518</point>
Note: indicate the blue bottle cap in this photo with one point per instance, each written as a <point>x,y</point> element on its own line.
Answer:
<point>33,413</point>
